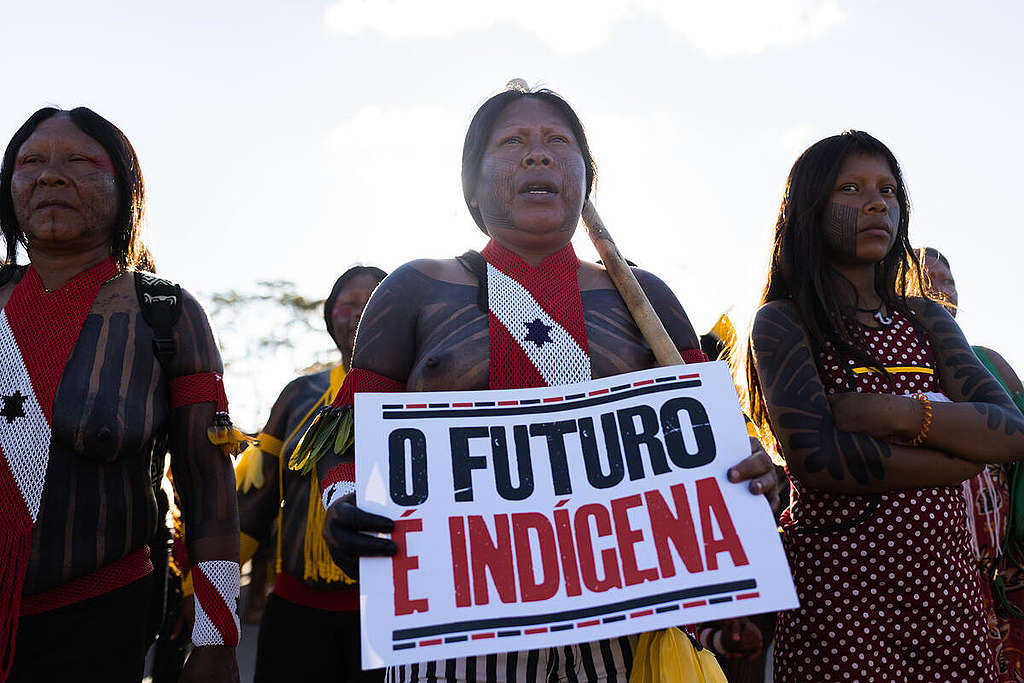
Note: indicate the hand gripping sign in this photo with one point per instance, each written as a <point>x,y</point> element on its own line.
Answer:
<point>533,518</point>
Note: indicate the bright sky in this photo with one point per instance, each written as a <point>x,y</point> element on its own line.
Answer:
<point>290,140</point>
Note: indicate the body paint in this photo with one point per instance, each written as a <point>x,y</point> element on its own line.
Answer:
<point>842,229</point>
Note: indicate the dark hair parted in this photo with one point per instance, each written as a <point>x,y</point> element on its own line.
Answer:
<point>482,125</point>
<point>340,283</point>
<point>800,270</point>
<point>131,191</point>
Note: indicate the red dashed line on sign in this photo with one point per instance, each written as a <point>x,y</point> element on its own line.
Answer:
<point>408,512</point>
<point>643,613</point>
<point>599,391</point>
<point>644,383</point>
<point>435,641</point>
<point>695,603</point>
<point>694,376</point>
<point>462,405</point>
<point>529,631</point>
<point>554,399</point>
<point>416,405</point>
<point>482,636</point>
<point>748,596</point>
<point>508,403</point>
<point>593,622</point>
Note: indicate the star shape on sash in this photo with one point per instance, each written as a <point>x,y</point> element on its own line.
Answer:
<point>13,406</point>
<point>538,332</point>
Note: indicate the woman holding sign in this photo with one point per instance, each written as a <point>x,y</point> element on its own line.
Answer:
<point>855,380</point>
<point>473,323</point>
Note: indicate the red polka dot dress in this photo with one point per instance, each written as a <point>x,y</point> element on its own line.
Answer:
<point>888,584</point>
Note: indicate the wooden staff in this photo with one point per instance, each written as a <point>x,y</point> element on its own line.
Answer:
<point>665,351</point>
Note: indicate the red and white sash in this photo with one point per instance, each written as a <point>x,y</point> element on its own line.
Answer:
<point>38,330</point>
<point>537,333</point>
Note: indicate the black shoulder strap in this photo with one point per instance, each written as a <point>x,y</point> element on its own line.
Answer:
<point>160,301</point>
<point>475,264</point>
<point>7,273</point>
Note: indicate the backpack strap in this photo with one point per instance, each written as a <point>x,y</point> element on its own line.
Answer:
<point>160,301</point>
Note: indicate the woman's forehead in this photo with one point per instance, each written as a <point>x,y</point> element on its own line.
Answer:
<point>530,111</point>
<point>61,128</point>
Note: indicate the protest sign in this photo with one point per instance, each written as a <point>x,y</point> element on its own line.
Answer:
<point>531,518</point>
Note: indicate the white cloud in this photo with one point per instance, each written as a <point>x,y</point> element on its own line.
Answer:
<point>719,29</point>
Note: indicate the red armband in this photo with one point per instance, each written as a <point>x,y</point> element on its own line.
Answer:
<point>202,387</point>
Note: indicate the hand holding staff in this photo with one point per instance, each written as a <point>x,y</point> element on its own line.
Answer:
<point>665,351</point>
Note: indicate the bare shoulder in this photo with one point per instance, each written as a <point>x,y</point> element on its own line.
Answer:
<point>444,270</point>
<point>1005,370</point>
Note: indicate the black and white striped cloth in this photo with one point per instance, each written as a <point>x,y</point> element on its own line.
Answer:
<point>597,662</point>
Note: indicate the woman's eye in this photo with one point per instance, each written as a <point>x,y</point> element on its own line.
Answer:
<point>848,187</point>
<point>560,138</point>
<point>511,140</point>
<point>24,161</point>
<point>889,189</point>
<point>77,157</point>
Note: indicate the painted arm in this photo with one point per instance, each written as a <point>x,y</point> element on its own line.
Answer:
<point>385,346</point>
<point>205,482</point>
<point>816,451</point>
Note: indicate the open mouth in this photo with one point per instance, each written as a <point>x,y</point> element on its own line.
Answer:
<point>53,203</point>
<point>538,189</point>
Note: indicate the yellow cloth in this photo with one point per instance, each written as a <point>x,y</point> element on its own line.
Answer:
<point>249,468</point>
<point>669,656</point>
<point>247,547</point>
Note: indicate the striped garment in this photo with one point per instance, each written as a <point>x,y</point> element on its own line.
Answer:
<point>598,662</point>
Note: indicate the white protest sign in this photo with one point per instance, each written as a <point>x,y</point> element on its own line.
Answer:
<point>532,518</point>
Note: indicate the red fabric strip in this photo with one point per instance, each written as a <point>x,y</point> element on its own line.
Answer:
<point>510,368</point>
<point>335,600</point>
<point>128,569</point>
<point>202,387</point>
<point>214,606</point>
<point>46,325</point>
<point>364,381</point>
<point>693,356</point>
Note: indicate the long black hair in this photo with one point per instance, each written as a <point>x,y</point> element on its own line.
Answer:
<point>131,190</point>
<point>800,271</point>
<point>482,125</point>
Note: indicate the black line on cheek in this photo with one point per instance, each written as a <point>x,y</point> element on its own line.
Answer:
<point>843,228</point>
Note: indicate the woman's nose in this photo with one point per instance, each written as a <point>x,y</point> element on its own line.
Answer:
<point>536,158</point>
<point>876,204</point>
<point>50,176</point>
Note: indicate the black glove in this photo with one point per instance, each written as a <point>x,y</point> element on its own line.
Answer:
<point>342,525</point>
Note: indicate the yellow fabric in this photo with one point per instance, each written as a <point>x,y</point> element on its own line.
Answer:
<point>269,444</point>
<point>186,584</point>
<point>249,470</point>
<point>752,430</point>
<point>724,331</point>
<point>316,559</point>
<point>896,368</point>
<point>246,548</point>
<point>668,656</point>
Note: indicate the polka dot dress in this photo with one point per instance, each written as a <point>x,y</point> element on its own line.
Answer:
<point>888,585</point>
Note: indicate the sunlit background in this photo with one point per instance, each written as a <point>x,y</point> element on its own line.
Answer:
<point>287,141</point>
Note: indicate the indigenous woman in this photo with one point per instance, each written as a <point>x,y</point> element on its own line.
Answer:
<point>90,392</point>
<point>524,312</point>
<point>853,379</point>
<point>314,607</point>
<point>991,503</point>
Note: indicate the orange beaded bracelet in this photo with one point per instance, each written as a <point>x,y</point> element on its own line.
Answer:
<point>926,419</point>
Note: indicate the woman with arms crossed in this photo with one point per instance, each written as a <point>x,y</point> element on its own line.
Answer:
<point>849,374</point>
<point>86,401</point>
<point>467,324</point>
